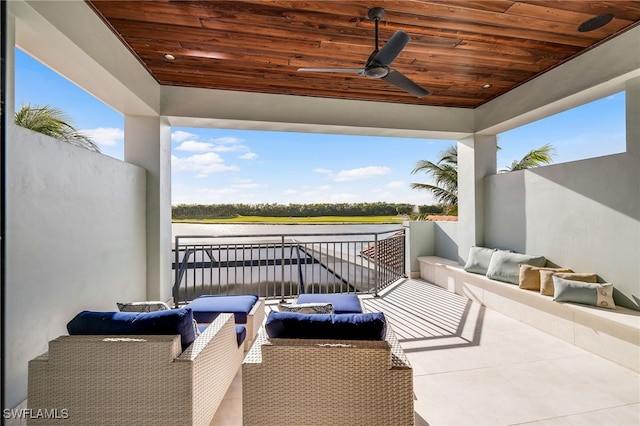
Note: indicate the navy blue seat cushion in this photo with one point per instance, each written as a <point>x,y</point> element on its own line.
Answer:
<point>175,321</point>
<point>207,308</point>
<point>241,334</point>
<point>342,303</point>
<point>292,325</point>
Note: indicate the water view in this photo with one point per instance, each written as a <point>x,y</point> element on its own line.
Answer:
<point>280,229</point>
<point>283,260</point>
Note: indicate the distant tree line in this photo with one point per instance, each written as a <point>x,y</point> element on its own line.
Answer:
<point>213,211</point>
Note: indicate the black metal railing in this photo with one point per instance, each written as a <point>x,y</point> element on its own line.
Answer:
<point>279,266</point>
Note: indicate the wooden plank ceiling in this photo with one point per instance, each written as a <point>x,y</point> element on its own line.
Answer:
<point>456,47</point>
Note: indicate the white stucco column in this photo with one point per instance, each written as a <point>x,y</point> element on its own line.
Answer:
<point>148,145</point>
<point>476,159</point>
<point>633,116</point>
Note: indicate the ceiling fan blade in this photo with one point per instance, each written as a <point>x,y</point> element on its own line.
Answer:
<point>401,81</point>
<point>344,70</point>
<point>392,48</point>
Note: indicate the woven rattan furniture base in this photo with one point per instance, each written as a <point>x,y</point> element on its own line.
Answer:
<point>254,322</point>
<point>135,380</point>
<point>326,382</point>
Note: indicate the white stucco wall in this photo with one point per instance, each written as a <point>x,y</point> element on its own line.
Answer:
<point>446,240</point>
<point>420,241</point>
<point>75,240</point>
<point>584,215</point>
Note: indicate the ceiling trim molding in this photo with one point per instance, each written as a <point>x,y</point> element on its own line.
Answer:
<point>204,107</point>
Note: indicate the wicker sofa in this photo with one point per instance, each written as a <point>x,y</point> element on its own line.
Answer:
<point>327,382</point>
<point>135,379</point>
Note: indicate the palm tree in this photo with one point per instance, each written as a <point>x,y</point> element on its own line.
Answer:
<point>534,158</point>
<point>445,173</point>
<point>53,122</point>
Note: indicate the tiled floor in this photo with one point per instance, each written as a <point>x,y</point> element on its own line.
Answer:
<point>474,366</point>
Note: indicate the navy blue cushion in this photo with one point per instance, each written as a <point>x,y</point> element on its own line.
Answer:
<point>292,325</point>
<point>175,321</point>
<point>241,334</point>
<point>207,308</point>
<point>342,303</point>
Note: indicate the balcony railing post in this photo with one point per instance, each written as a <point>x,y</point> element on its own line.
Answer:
<point>282,269</point>
<point>376,263</point>
<point>176,287</point>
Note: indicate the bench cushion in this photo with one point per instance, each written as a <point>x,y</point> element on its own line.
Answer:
<point>291,325</point>
<point>206,308</point>
<point>342,303</point>
<point>175,321</point>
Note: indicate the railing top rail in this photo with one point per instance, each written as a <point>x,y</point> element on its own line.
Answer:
<point>316,234</point>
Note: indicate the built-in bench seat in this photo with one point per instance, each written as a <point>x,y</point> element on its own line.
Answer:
<point>612,334</point>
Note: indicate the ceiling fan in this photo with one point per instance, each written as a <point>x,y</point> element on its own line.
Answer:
<point>379,62</point>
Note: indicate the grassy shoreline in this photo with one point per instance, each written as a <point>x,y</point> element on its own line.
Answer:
<point>295,220</point>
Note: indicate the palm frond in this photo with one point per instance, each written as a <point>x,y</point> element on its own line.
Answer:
<point>55,123</point>
<point>534,158</point>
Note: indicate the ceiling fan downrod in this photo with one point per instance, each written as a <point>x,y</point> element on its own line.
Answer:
<point>376,14</point>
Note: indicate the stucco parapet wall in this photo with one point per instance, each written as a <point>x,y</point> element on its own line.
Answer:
<point>611,334</point>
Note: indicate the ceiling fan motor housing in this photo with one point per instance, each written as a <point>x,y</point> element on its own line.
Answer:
<point>376,71</point>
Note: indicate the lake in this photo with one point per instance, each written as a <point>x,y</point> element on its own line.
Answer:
<point>296,231</point>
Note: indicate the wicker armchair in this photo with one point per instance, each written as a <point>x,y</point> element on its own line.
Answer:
<point>141,380</point>
<point>327,382</point>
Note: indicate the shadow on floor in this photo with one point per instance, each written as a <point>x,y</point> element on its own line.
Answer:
<point>425,318</point>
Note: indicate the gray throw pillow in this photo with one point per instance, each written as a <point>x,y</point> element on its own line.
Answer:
<point>594,294</point>
<point>479,258</point>
<point>505,266</point>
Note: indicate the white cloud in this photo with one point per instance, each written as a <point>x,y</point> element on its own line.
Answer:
<point>321,170</point>
<point>248,184</point>
<point>105,136</point>
<point>361,173</point>
<point>202,164</point>
<point>180,136</point>
<point>249,156</point>
<point>229,148</point>
<point>396,184</point>
<point>189,142</point>
<point>194,146</point>
<point>227,140</point>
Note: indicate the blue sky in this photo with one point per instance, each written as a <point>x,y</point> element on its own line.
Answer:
<point>232,166</point>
